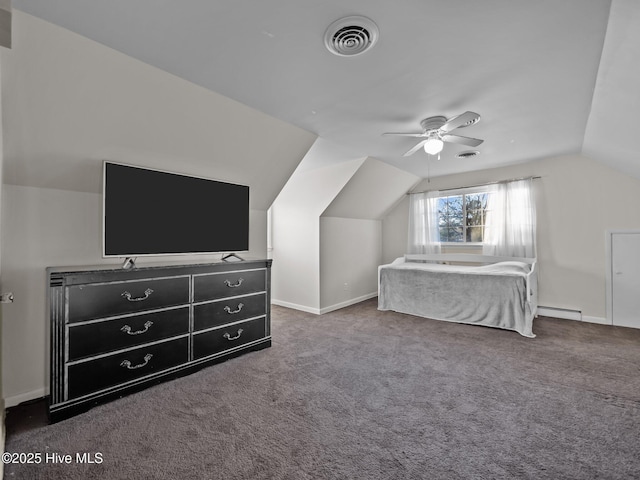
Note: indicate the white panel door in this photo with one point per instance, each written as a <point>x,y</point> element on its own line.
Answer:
<point>625,283</point>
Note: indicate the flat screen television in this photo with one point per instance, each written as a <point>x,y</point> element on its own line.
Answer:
<point>152,212</point>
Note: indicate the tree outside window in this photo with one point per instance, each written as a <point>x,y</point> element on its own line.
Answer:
<point>461,218</point>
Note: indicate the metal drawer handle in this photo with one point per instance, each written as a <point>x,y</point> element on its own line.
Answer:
<point>234,285</point>
<point>127,329</point>
<point>128,296</point>
<point>229,337</point>
<point>231,312</point>
<point>127,363</point>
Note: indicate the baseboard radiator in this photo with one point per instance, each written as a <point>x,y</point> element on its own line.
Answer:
<point>568,314</point>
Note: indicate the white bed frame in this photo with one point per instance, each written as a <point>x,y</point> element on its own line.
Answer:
<point>466,258</point>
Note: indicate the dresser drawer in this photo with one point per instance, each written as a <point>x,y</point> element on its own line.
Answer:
<point>225,338</point>
<point>86,340</point>
<point>98,300</point>
<point>220,312</point>
<point>98,374</point>
<point>228,284</point>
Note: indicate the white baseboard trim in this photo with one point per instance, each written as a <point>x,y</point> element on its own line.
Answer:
<point>321,311</point>
<point>25,397</point>
<point>600,320</point>
<point>348,303</point>
<point>567,314</point>
<point>295,306</point>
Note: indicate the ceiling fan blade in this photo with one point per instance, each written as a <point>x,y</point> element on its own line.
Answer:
<point>415,149</point>
<point>472,142</point>
<point>459,121</point>
<point>422,134</point>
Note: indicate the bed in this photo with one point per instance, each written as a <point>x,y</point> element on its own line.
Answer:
<point>500,292</point>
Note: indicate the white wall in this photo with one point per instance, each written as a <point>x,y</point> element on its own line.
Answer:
<point>351,233</point>
<point>295,270</point>
<point>350,252</point>
<point>578,199</point>
<point>295,217</point>
<point>41,227</point>
<point>327,231</point>
<point>69,103</point>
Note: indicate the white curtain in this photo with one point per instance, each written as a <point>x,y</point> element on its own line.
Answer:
<point>510,227</point>
<point>424,236</point>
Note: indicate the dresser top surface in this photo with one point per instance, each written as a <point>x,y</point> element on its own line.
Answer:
<point>102,268</point>
<point>97,273</point>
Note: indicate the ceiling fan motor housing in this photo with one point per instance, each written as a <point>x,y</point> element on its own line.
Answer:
<point>433,123</point>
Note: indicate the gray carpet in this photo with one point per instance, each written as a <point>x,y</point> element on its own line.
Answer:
<point>363,394</point>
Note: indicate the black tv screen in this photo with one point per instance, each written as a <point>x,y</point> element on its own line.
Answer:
<point>150,212</point>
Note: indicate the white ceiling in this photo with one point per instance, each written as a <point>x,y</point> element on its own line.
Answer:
<point>528,67</point>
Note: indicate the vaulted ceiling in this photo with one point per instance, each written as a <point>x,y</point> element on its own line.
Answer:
<point>548,77</point>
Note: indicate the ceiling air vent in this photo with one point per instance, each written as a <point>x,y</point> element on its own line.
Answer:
<point>351,36</point>
<point>469,154</point>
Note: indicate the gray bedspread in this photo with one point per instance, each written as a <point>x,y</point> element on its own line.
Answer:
<point>491,295</point>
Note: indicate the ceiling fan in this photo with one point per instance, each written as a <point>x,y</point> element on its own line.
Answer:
<point>435,131</point>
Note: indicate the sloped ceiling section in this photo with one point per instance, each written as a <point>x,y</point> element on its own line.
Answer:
<point>371,192</point>
<point>528,67</point>
<point>69,103</point>
<point>319,178</point>
<point>612,130</point>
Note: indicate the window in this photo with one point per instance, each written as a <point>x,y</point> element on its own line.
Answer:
<point>462,216</point>
<point>501,217</point>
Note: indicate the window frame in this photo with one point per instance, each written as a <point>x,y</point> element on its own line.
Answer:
<point>454,192</point>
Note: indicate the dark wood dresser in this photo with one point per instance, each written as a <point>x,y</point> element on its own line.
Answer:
<point>114,331</point>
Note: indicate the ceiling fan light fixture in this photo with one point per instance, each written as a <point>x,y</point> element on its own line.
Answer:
<point>433,146</point>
